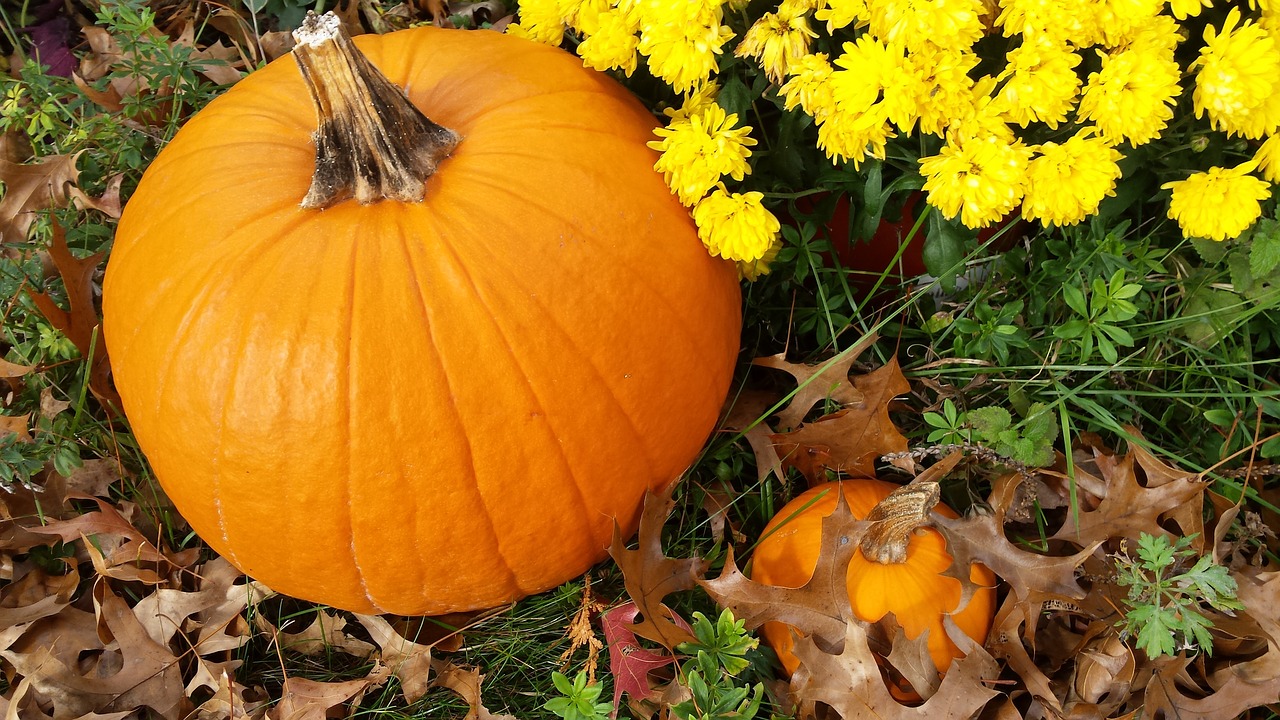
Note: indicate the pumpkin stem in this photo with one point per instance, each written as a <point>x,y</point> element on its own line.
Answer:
<point>371,142</point>
<point>895,518</point>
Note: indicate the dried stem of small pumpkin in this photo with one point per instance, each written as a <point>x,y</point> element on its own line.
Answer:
<point>371,142</point>
<point>895,518</point>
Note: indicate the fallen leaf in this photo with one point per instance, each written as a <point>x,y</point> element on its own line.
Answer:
<point>30,188</point>
<point>221,627</point>
<point>465,682</point>
<point>81,323</point>
<point>50,407</point>
<point>1127,508</point>
<point>409,661</point>
<point>303,699</point>
<point>629,662</point>
<point>12,370</point>
<point>325,634</point>
<point>108,203</point>
<point>104,52</point>
<point>850,681</point>
<point>94,478</point>
<point>130,670</point>
<point>746,416</point>
<point>819,382</point>
<point>19,425</point>
<point>650,576</point>
<point>229,702</point>
<point>821,606</point>
<point>851,440</point>
<point>980,538</point>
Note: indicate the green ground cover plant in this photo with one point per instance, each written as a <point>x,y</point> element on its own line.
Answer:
<point>1119,340</point>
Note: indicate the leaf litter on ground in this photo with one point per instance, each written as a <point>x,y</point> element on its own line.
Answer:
<point>1056,649</point>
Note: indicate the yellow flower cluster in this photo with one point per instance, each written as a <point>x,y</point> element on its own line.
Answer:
<point>1103,74</point>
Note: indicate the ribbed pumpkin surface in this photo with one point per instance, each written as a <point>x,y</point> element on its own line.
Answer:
<point>913,590</point>
<point>431,407</point>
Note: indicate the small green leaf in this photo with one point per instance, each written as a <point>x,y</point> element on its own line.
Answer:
<point>1220,417</point>
<point>1210,251</point>
<point>944,248</point>
<point>1074,297</point>
<point>1264,251</point>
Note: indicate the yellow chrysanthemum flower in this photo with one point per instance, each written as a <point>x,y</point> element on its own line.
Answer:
<point>583,15</point>
<point>1237,75</point>
<point>1183,9</point>
<point>943,87</point>
<point>851,137</point>
<point>979,179</point>
<point>698,151</point>
<point>540,21</point>
<point>1065,21</point>
<point>1040,82</point>
<point>777,40</point>
<point>736,226</point>
<point>1131,98</point>
<point>840,13</point>
<point>980,115</point>
<point>1268,158</point>
<point>682,49</point>
<point>1161,33</point>
<point>1218,204</point>
<point>810,86</point>
<point>1066,182</point>
<point>1119,19</point>
<point>755,270</point>
<point>612,44</point>
<point>875,74</point>
<point>951,24</point>
<point>694,103</point>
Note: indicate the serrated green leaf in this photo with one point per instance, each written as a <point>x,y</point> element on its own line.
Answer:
<point>1264,251</point>
<point>989,421</point>
<point>1210,251</point>
<point>1241,275</point>
<point>1155,630</point>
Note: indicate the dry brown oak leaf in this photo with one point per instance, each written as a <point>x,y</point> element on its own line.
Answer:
<point>80,324</point>
<point>409,661</point>
<point>851,684</point>
<point>849,441</point>
<point>128,669</point>
<point>30,187</point>
<point>465,682</point>
<point>649,575</point>
<point>746,417</point>
<point>820,606</point>
<point>981,539</point>
<point>827,380</point>
<point>303,699</point>
<point>1129,508</point>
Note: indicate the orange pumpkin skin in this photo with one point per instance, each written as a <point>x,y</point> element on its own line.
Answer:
<point>429,407</point>
<point>913,590</point>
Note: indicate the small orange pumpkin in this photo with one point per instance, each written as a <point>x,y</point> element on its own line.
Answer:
<point>413,405</point>
<point>913,590</point>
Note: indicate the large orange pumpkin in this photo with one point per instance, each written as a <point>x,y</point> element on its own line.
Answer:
<point>913,590</point>
<point>419,407</point>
